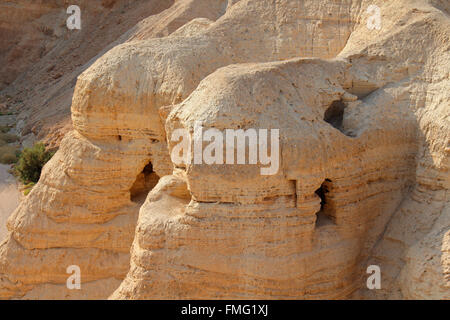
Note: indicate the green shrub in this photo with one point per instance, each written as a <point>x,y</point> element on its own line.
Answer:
<point>28,188</point>
<point>4,129</point>
<point>8,154</point>
<point>8,138</point>
<point>8,158</point>
<point>31,161</point>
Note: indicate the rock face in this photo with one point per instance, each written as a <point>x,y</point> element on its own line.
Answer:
<point>103,202</point>
<point>363,177</point>
<point>9,196</point>
<point>41,58</point>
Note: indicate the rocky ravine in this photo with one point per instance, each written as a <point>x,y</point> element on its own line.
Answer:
<point>363,117</point>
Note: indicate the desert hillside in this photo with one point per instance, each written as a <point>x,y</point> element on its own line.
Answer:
<point>357,92</point>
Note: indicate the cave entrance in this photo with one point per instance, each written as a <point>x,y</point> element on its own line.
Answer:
<point>325,215</point>
<point>334,115</point>
<point>145,182</point>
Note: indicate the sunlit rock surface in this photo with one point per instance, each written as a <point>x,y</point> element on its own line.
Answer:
<point>363,177</point>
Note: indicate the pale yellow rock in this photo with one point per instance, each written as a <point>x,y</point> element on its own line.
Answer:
<point>215,247</point>
<point>226,231</point>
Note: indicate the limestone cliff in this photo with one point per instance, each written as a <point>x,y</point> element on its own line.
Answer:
<point>363,119</point>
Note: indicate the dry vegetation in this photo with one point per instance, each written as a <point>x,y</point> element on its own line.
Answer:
<point>8,151</point>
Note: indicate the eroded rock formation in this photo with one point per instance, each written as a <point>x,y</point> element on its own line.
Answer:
<point>363,179</point>
<point>41,58</point>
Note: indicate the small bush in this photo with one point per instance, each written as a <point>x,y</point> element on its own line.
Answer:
<point>4,129</point>
<point>31,161</point>
<point>8,154</point>
<point>8,138</point>
<point>28,188</point>
<point>46,30</point>
<point>8,158</point>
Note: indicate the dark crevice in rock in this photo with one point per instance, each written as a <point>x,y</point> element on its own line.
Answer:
<point>324,216</point>
<point>334,115</point>
<point>145,182</point>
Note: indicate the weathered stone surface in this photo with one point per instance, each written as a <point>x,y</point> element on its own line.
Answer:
<point>225,231</point>
<point>256,237</point>
<point>40,59</point>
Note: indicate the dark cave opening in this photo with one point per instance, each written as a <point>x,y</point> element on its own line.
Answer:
<point>324,215</point>
<point>334,115</point>
<point>145,182</point>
